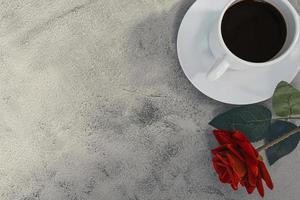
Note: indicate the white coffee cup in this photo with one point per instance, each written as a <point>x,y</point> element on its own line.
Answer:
<point>227,60</point>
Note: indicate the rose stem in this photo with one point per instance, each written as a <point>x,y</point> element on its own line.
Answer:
<point>280,139</point>
<point>287,118</point>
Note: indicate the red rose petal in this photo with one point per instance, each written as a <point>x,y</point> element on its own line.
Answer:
<point>252,166</point>
<point>248,149</point>
<point>240,137</point>
<point>237,165</point>
<point>260,187</point>
<point>234,178</point>
<point>228,147</point>
<point>232,148</point>
<point>265,175</point>
<point>225,178</point>
<point>221,170</point>
<point>251,178</point>
<point>234,186</point>
<point>219,167</point>
<point>223,137</point>
<point>219,149</point>
<point>222,159</point>
<point>249,187</point>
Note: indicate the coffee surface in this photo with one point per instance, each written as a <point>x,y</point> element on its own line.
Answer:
<point>254,31</point>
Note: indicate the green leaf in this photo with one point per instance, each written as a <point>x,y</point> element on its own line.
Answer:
<point>285,147</point>
<point>286,100</point>
<point>252,120</point>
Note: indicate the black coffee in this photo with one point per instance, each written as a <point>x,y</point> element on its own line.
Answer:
<point>254,30</point>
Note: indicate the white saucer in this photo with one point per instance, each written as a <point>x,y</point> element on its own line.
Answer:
<point>234,87</point>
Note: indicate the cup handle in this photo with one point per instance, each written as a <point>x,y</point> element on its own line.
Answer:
<point>218,69</point>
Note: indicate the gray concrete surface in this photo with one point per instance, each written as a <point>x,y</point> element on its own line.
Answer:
<point>94,106</point>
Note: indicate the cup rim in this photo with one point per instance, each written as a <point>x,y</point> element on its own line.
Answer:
<point>270,62</point>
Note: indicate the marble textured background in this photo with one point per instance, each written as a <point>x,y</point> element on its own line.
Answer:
<point>94,106</point>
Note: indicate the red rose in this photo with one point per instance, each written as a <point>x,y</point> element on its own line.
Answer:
<point>237,161</point>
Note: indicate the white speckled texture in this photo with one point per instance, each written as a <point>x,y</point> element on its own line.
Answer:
<point>94,106</point>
